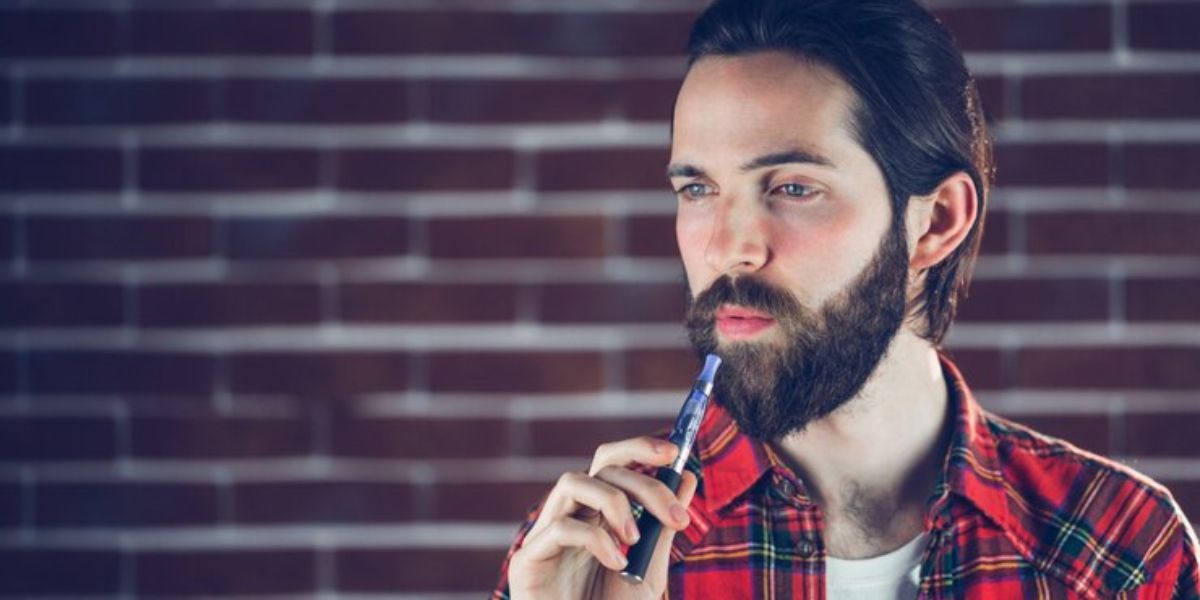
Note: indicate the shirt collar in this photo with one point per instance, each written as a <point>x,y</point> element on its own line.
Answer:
<point>731,463</point>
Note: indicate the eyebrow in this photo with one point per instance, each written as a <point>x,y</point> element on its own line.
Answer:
<point>766,160</point>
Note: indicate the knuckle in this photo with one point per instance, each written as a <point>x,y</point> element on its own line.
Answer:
<point>569,478</point>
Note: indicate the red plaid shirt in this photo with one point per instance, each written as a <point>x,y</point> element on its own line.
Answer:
<point>1015,514</point>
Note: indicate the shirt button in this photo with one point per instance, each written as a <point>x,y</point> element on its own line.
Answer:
<point>805,547</point>
<point>786,489</point>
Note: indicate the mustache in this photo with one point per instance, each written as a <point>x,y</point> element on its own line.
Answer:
<point>747,291</point>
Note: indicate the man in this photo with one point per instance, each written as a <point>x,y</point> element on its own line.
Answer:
<point>831,165</point>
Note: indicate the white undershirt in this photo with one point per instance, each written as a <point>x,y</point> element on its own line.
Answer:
<point>895,575</point>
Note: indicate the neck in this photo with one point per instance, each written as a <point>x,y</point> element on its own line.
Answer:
<point>872,463</point>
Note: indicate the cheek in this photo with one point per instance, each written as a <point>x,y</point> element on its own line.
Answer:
<point>821,255</point>
<point>692,234</point>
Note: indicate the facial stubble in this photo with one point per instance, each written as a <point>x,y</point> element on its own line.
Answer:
<point>772,389</point>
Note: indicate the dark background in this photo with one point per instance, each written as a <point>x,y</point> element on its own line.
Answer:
<point>317,298</point>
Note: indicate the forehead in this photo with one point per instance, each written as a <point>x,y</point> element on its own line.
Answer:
<point>753,104</point>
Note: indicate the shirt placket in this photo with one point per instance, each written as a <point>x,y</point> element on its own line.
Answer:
<point>797,547</point>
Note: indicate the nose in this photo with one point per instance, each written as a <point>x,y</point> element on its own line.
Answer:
<point>739,239</point>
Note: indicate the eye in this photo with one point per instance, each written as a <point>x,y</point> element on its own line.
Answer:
<point>794,190</point>
<point>694,190</point>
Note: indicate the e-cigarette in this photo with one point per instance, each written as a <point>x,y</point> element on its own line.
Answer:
<point>683,436</point>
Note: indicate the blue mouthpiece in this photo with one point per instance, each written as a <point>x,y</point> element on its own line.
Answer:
<point>711,362</point>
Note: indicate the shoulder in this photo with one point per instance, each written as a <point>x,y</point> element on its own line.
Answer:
<point>1100,525</point>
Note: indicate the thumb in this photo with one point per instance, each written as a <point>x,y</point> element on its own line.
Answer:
<point>656,572</point>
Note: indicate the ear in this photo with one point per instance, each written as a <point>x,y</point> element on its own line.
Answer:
<point>938,223</point>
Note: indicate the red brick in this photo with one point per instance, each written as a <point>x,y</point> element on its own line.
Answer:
<point>193,305</point>
<point>612,303</point>
<point>59,33</point>
<point>319,373</point>
<point>329,237</point>
<point>1162,300</point>
<point>115,101</point>
<point>1162,434</point>
<point>510,371</point>
<point>1163,26</point>
<point>8,227</point>
<point>1186,493</point>
<point>1156,368</point>
<point>118,237</point>
<point>324,501</point>
<point>54,168</point>
<point>1052,165</point>
<point>1113,233</point>
<point>7,237</point>
<point>421,438</point>
<point>1029,28</point>
<point>6,110</point>
<point>384,169</point>
<point>9,369</point>
<point>45,571</point>
<point>517,237</point>
<point>660,369</point>
<point>991,94</point>
<point>581,437</point>
<point>1090,432</point>
<point>511,100</point>
<point>1162,166</point>
<point>10,505</point>
<point>604,169</point>
<point>1036,300</point>
<point>226,169</point>
<point>125,504</point>
<point>1133,96</point>
<point>249,32</point>
<point>427,302</point>
<point>421,570</point>
<point>60,304</point>
<point>237,571</point>
<point>652,236</point>
<point>647,99</point>
<point>220,437</point>
<point>995,233</point>
<point>297,100</point>
<point>57,438</point>
<point>120,372</point>
<point>560,33</point>
<point>983,369</point>
<point>407,32</point>
<point>503,502</point>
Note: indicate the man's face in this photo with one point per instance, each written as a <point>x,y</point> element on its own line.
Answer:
<point>785,227</point>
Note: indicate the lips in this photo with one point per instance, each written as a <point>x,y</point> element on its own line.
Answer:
<point>737,322</point>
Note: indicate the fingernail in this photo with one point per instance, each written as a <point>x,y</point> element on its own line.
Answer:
<point>621,560</point>
<point>678,513</point>
<point>631,532</point>
<point>665,447</point>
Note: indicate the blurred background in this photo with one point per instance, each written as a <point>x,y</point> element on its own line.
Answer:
<point>317,297</point>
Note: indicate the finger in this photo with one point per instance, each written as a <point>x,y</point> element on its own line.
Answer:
<point>570,533</point>
<point>575,491</point>
<point>645,450</point>
<point>610,501</point>
<point>651,493</point>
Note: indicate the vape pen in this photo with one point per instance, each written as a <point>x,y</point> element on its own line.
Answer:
<point>683,436</point>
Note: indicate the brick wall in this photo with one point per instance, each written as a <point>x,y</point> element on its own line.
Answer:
<point>318,297</point>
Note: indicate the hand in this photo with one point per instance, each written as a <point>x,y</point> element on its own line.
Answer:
<point>572,550</point>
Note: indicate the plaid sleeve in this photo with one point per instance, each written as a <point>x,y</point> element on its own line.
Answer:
<point>501,591</point>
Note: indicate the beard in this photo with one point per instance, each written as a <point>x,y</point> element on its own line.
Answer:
<point>827,356</point>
